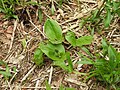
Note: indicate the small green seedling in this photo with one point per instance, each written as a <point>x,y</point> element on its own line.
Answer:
<point>8,7</point>
<point>102,17</point>
<point>6,73</point>
<point>54,49</point>
<point>106,68</point>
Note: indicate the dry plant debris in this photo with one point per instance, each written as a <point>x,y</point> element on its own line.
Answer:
<point>19,39</point>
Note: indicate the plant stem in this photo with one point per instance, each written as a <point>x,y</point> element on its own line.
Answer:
<point>3,5</point>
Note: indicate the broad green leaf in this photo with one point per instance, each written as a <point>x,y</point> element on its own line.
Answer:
<point>53,51</point>
<point>61,64</point>
<point>40,16</point>
<point>70,65</point>
<point>70,37</point>
<point>53,31</point>
<point>84,40</point>
<point>107,19</point>
<point>38,57</point>
<point>48,87</point>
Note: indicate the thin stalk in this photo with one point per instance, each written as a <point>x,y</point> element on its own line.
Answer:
<point>3,5</point>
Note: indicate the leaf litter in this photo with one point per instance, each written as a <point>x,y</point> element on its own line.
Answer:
<point>28,76</point>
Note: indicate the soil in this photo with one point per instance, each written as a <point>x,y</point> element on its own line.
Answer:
<point>28,76</point>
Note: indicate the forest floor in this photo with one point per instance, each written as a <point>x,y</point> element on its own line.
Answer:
<point>25,74</point>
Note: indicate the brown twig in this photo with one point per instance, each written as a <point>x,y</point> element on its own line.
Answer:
<point>13,34</point>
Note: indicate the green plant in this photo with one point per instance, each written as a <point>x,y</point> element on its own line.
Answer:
<point>53,47</point>
<point>38,56</point>
<point>103,15</point>
<point>48,87</point>
<point>6,73</point>
<point>106,68</point>
<point>53,31</point>
<point>84,40</point>
<point>8,7</point>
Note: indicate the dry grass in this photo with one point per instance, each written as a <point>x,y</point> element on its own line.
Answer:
<point>28,75</point>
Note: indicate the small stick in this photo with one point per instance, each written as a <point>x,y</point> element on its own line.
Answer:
<point>13,76</point>
<point>24,78</point>
<point>112,33</point>
<point>37,83</point>
<point>23,87</point>
<point>50,76</point>
<point>116,35</point>
<point>12,38</point>
<point>37,28</point>
<point>114,43</point>
<point>9,55</point>
<point>9,85</point>
<point>38,87</point>
<point>86,1</point>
